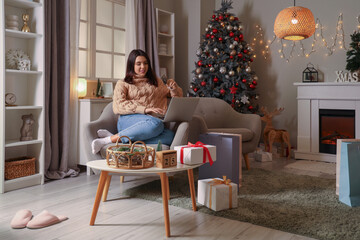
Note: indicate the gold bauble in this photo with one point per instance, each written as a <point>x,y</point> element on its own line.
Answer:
<point>198,70</point>
<point>222,24</point>
<point>232,18</point>
<point>233,52</point>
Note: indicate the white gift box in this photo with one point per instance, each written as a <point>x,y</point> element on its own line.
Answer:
<point>261,156</point>
<point>219,196</point>
<point>194,155</point>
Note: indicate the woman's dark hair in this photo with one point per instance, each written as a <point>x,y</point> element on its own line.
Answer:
<point>130,73</point>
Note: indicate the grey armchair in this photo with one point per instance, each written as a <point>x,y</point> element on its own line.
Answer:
<point>215,115</point>
<point>108,120</point>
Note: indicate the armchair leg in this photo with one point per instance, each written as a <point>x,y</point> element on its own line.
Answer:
<point>122,179</point>
<point>246,159</point>
<point>106,188</point>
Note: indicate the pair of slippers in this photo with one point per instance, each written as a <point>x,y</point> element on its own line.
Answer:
<point>24,218</point>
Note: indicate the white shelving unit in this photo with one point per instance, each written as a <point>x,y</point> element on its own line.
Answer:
<point>166,37</point>
<point>28,87</point>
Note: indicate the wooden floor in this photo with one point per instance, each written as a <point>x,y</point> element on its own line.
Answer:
<point>120,217</point>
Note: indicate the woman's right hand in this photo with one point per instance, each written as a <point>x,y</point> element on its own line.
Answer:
<point>154,110</point>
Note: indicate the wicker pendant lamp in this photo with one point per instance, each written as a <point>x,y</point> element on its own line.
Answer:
<point>294,23</point>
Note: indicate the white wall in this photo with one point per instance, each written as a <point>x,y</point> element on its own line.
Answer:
<point>276,76</point>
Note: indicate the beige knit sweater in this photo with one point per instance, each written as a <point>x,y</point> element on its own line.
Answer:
<point>134,98</point>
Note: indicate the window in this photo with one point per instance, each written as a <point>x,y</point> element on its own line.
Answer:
<point>102,39</point>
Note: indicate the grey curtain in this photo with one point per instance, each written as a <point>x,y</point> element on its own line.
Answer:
<point>57,89</point>
<point>146,32</point>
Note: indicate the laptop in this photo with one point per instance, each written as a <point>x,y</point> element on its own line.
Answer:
<point>180,109</point>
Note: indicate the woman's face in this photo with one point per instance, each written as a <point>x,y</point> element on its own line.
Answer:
<point>141,66</point>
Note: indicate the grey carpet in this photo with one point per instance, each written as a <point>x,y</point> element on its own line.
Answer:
<point>297,204</point>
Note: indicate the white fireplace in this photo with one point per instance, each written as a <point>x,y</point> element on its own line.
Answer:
<point>312,97</point>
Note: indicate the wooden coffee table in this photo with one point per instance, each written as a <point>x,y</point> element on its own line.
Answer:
<point>162,172</point>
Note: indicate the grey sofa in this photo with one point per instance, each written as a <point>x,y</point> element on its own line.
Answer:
<point>215,115</point>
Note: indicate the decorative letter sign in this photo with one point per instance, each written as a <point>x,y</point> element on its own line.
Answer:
<point>346,77</point>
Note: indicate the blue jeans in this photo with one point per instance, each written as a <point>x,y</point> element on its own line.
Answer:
<point>144,128</point>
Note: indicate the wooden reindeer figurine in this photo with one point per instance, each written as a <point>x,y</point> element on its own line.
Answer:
<point>271,134</point>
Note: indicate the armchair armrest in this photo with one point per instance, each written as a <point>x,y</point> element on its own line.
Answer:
<point>181,135</point>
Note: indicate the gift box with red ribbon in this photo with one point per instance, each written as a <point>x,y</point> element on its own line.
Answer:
<point>217,194</point>
<point>196,153</point>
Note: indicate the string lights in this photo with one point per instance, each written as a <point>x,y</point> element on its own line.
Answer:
<point>338,40</point>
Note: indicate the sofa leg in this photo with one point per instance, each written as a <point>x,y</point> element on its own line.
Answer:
<point>122,179</point>
<point>246,159</point>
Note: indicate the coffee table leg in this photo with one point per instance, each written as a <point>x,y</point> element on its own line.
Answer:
<point>192,188</point>
<point>165,190</point>
<point>99,192</point>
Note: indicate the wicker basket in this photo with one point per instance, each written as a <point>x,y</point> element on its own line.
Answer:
<point>130,156</point>
<point>19,167</point>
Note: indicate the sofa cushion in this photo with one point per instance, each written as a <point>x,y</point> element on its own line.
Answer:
<point>246,134</point>
<point>103,149</point>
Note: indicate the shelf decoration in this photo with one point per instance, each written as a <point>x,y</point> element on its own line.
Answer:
<point>25,27</point>
<point>310,74</point>
<point>12,22</point>
<point>27,127</point>
<point>15,59</point>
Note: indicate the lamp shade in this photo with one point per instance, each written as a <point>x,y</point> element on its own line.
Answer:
<point>82,87</point>
<point>294,23</point>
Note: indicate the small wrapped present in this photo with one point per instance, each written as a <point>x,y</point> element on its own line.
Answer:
<point>262,156</point>
<point>196,153</point>
<point>217,194</point>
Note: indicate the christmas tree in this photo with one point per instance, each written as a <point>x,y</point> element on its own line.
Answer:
<point>223,66</point>
<point>353,54</point>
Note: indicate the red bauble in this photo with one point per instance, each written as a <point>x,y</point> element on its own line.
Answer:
<point>216,19</point>
<point>254,82</point>
<point>240,55</point>
<point>241,36</point>
<point>222,91</point>
<point>214,30</point>
<point>220,39</point>
<point>236,18</point>
<point>207,35</point>
<point>203,83</point>
<point>195,89</point>
<point>245,51</point>
<point>199,63</point>
<point>231,57</point>
<point>237,84</point>
<point>232,105</point>
<point>233,100</point>
<point>209,65</point>
<point>221,17</point>
<point>213,16</point>
<point>251,60</point>
<point>244,80</point>
<point>231,34</point>
<point>212,36</point>
<point>236,39</point>
<point>215,80</point>
<point>252,86</point>
<point>251,107</point>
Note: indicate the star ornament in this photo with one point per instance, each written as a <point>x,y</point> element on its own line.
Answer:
<point>233,89</point>
<point>244,99</point>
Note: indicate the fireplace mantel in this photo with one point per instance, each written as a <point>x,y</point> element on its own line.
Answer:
<point>323,95</point>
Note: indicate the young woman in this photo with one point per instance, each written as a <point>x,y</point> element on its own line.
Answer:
<point>136,98</point>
